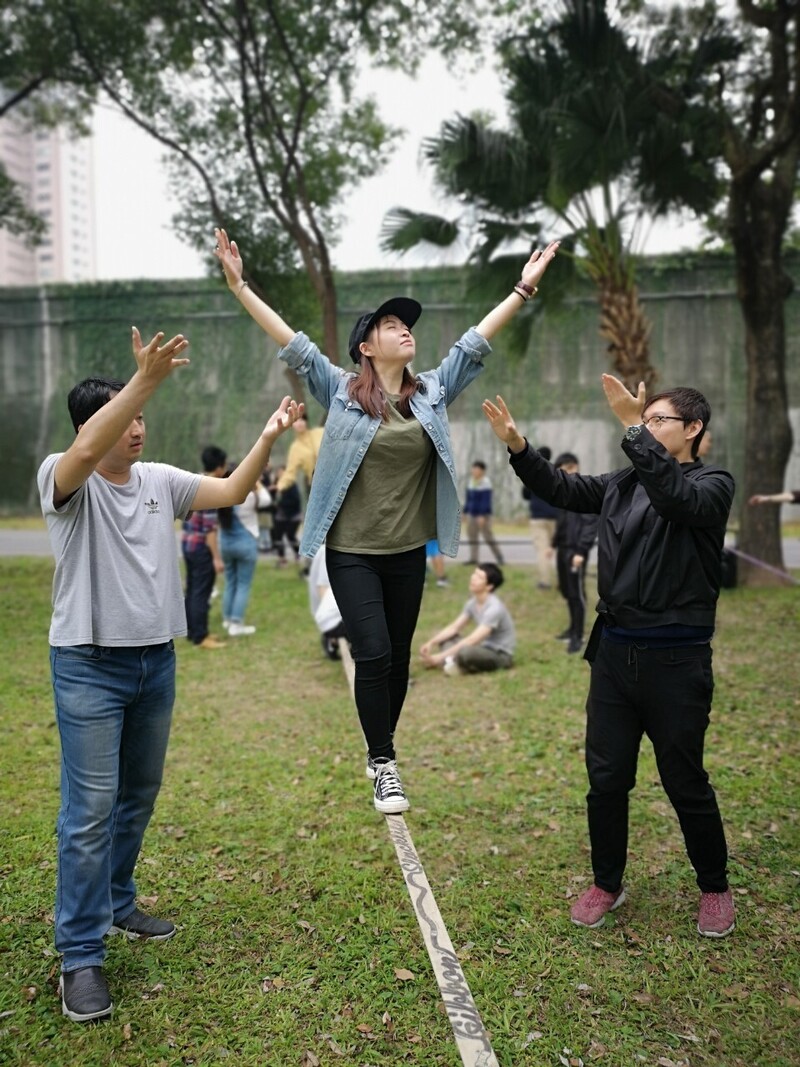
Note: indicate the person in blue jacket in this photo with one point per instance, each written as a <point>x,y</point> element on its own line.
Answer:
<point>478,509</point>
<point>384,485</point>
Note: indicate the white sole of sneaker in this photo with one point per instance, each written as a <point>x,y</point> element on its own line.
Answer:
<point>594,926</point>
<point>391,807</point>
<point>713,933</point>
<point>75,1017</point>
<point>370,773</point>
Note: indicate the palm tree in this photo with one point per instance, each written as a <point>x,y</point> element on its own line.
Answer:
<point>581,149</point>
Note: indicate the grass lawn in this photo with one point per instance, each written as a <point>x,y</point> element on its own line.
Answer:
<point>293,916</point>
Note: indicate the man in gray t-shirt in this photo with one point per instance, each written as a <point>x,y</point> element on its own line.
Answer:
<point>117,605</point>
<point>490,646</point>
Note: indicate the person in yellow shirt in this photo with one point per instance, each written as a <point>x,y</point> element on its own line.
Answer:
<point>302,457</point>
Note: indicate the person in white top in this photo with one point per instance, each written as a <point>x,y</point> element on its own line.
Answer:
<point>117,605</point>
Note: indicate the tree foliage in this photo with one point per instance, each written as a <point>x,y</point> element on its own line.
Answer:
<point>258,106</point>
<point>581,153</point>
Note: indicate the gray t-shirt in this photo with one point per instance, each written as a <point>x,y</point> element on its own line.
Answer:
<point>495,614</point>
<point>117,581</point>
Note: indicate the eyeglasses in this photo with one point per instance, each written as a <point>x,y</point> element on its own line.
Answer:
<point>659,420</point>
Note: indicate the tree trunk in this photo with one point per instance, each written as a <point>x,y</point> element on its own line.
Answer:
<point>762,289</point>
<point>626,327</point>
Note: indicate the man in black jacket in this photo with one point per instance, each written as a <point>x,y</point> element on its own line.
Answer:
<point>661,531</point>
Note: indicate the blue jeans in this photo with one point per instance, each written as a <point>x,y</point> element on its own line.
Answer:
<point>239,551</point>
<point>113,710</point>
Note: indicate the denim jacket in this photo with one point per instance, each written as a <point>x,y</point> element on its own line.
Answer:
<point>349,431</point>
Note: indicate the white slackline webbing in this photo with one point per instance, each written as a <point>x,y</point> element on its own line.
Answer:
<point>472,1040</point>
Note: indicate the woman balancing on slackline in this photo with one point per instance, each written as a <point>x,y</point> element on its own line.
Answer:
<point>384,484</point>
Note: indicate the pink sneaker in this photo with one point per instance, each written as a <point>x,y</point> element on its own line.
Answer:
<point>717,915</point>
<point>591,907</point>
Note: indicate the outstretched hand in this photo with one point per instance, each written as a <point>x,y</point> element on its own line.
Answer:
<point>503,424</point>
<point>285,416</point>
<point>155,360</point>
<point>227,252</point>
<point>538,263</point>
<point>627,407</point>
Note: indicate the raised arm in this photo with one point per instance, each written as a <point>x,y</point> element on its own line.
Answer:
<point>270,321</point>
<point>154,363</point>
<point>224,492</point>
<point>526,287</point>
<point>771,498</point>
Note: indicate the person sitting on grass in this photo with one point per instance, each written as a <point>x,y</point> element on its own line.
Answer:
<point>117,605</point>
<point>490,646</point>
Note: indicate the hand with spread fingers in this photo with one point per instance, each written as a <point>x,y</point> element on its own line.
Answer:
<point>155,360</point>
<point>285,416</point>
<point>503,424</point>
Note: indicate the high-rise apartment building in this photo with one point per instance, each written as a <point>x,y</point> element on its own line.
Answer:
<point>55,172</point>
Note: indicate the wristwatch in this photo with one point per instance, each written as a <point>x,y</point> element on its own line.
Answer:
<point>633,432</point>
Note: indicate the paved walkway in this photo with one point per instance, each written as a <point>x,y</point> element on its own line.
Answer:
<point>516,547</point>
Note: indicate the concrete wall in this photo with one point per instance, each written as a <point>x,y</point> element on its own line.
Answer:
<point>54,336</point>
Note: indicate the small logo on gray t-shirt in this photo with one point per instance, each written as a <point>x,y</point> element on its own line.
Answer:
<point>152,506</point>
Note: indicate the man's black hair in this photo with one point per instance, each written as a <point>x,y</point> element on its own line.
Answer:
<point>87,397</point>
<point>690,404</point>
<point>564,458</point>
<point>545,452</point>
<point>479,463</point>
<point>494,576</point>
<point>213,458</point>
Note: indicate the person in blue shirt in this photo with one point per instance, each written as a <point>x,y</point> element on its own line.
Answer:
<point>384,484</point>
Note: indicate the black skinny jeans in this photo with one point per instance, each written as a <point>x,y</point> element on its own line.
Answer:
<point>379,598</point>
<point>666,694</point>
<point>200,578</point>
<point>572,586</point>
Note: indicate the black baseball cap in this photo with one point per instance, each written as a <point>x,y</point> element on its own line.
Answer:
<point>406,309</point>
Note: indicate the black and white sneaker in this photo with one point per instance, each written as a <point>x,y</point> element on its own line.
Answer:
<point>84,995</point>
<point>389,796</point>
<point>137,924</point>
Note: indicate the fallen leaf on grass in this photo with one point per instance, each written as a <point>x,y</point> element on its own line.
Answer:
<point>309,1059</point>
<point>364,1028</point>
<point>403,974</point>
<point>534,1035</point>
<point>306,925</point>
<point>127,1032</point>
<point>736,991</point>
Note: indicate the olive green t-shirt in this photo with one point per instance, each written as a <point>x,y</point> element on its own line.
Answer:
<point>390,505</point>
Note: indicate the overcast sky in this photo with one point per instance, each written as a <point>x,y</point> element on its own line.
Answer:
<point>134,208</point>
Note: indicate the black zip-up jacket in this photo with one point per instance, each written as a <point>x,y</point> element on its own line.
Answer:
<point>660,536</point>
<point>575,532</point>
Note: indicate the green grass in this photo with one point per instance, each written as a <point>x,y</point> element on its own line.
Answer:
<point>292,911</point>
